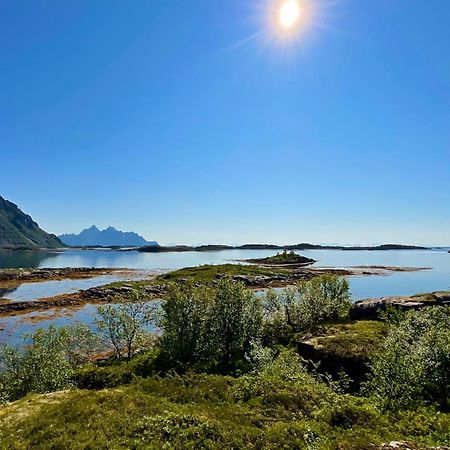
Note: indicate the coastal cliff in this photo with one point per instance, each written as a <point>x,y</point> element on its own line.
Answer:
<point>18,229</point>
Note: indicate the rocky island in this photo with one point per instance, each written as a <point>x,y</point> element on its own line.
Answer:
<point>286,259</point>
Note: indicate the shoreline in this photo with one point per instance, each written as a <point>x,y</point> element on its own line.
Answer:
<point>370,309</point>
<point>254,277</point>
<point>10,278</point>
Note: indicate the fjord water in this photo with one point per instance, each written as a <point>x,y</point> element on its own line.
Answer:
<point>13,329</point>
<point>400,283</point>
<point>35,291</point>
<point>397,283</point>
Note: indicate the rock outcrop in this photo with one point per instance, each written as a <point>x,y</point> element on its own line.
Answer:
<point>370,309</point>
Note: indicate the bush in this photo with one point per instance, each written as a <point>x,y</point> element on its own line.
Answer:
<point>183,321</point>
<point>324,299</point>
<point>48,363</point>
<point>125,326</point>
<point>112,373</point>
<point>233,323</point>
<point>413,367</point>
<point>93,377</point>
<point>210,326</point>
<point>351,412</point>
<point>177,429</point>
<point>282,408</point>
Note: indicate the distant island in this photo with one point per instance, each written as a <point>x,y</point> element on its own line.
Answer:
<point>303,246</point>
<point>19,230</point>
<point>283,259</point>
<point>109,237</point>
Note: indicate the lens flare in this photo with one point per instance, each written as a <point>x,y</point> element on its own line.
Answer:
<point>289,13</point>
<point>285,27</point>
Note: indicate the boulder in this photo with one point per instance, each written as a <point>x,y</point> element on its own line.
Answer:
<point>370,309</point>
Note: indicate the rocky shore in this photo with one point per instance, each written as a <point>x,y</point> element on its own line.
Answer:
<point>8,276</point>
<point>370,309</point>
<point>101,294</point>
<point>255,277</point>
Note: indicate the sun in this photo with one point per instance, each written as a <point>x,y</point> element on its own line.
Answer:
<point>289,13</point>
<point>285,25</point>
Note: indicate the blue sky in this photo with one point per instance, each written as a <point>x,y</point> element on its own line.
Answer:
<point>167,118</point>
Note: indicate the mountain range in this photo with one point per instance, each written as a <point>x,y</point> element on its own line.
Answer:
<point>109,237</point>
<point>18,229</point>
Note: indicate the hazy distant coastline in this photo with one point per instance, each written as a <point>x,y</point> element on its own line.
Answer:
<point>219,247</point>
<point>303,246</point>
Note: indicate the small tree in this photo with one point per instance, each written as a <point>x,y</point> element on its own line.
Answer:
<point>47,364</point>
<point>184,315</point>
<point>125,325</point>
<point>215,325</point>
<point>80,344</point>
<point>413,366</point>
<point>322,299</point>
<point>235,321</point>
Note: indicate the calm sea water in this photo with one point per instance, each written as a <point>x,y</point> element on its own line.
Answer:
<point>34,291</point>
<point>404,283</point>
<point>13,329</point>
<point>401,283</point>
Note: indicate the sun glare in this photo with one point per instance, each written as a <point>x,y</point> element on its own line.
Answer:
<point>289,13</point>
<point>286,26</point>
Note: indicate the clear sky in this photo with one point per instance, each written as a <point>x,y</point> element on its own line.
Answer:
<point>195,122</point>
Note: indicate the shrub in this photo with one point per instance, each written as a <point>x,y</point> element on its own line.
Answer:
<point>311,303</point>
<point>413,366</point>
<point>233,323</point>
<point>349,412</point>
<point>48,363</point>
<point>112,373</point>
<point>210,326</point>
<point>93,377</point>
<point>183,322</point>
<point>125,326</point>
<point>177,429</point>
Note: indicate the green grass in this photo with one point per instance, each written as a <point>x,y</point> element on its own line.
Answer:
<point>206,274</point>
<point>211,411</point>
<point>359,339</point>
<point>344,348</point>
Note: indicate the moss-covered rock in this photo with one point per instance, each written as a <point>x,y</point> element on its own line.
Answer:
<point>344,348</point>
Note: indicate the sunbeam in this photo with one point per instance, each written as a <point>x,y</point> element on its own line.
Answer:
<point>283,26</point>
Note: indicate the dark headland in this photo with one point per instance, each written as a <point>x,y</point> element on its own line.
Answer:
<point>303,246</point>
<point>19,231</point>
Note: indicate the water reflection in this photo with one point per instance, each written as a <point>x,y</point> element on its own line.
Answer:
<point>42,289</point>
<point>405,283</point>
<point>13,328</point>
<point>4,292</point>
<point>400,283</point>
<point>16,259</point>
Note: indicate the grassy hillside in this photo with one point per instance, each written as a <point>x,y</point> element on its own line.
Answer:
<point>18,229</point>
<point>231,370</point>
<point>267,411</point>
